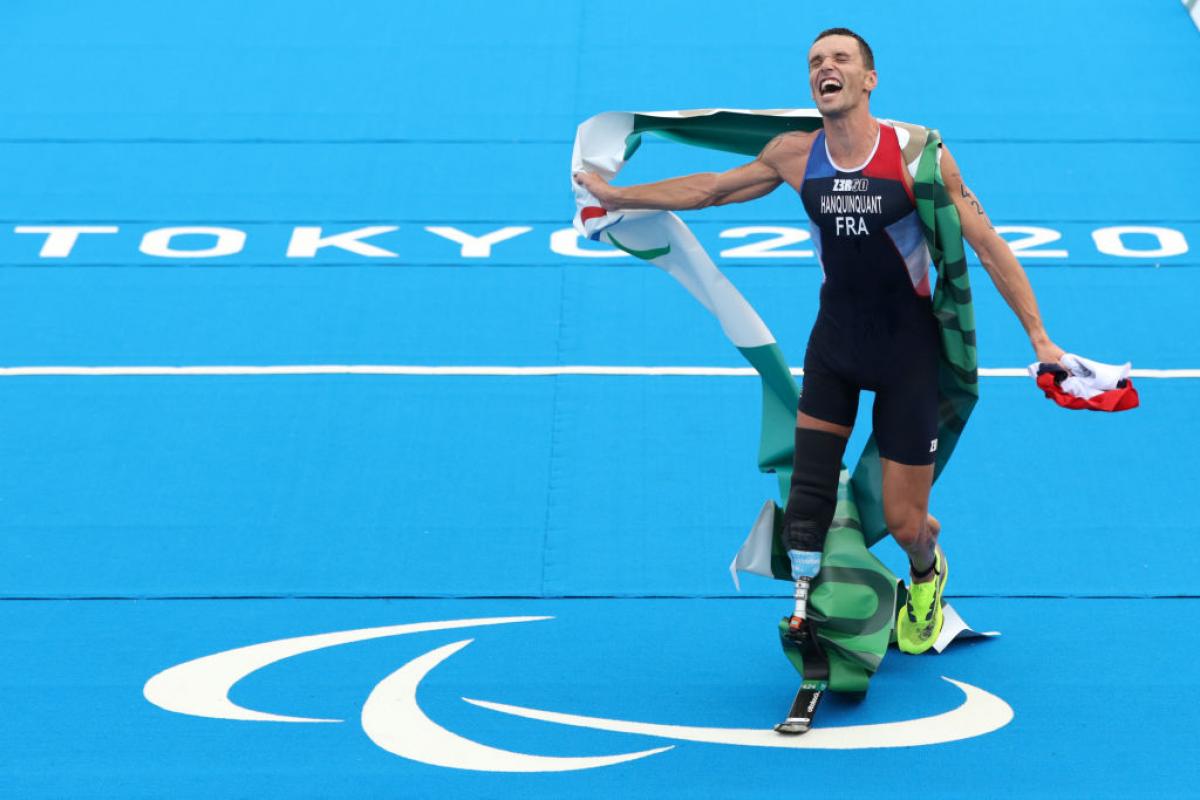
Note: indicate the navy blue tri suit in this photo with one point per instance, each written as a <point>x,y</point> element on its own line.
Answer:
<point>875,329</point>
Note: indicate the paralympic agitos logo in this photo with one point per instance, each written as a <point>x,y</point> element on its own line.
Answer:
<point>393,720</point>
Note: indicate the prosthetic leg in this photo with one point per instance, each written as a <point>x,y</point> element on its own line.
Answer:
<point>811,502</point>
<point>815,677</point>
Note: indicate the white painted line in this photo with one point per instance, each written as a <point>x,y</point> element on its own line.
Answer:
<point>468,371</point>
<point>375,369</point>
<point>1165,373</point>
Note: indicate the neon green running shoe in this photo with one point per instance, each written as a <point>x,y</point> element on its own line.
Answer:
<point>920,621</point>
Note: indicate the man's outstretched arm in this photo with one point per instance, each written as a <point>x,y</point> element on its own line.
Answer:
<point>998,259</point>
<point>704,189</point>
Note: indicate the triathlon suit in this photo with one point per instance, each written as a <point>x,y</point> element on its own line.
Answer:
<point>875,329</point>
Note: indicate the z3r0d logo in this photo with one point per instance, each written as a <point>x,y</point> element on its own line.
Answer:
<point>851,184</point>
<point>393,720</point>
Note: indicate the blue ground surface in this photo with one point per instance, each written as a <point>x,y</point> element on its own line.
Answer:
<point>483,496</point>
<point>1058,665</point>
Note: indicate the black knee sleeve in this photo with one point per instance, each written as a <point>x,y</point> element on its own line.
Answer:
<point>816,465</point>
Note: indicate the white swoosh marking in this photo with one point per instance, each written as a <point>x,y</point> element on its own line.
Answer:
<point>201,687</point>
<point>393,720</point>
<point>981,712</point>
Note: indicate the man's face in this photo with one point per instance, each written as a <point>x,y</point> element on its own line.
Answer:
<point>837,76</point>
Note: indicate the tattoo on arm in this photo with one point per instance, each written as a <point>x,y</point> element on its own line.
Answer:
<point>970,198</point>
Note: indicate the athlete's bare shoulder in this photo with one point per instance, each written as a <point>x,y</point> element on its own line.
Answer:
<point>793,144</point>
<point>788,153</point>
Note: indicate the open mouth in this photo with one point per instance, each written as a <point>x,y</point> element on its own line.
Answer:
<point>829,87</point>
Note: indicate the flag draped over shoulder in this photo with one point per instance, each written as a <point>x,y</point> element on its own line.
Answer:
<point>854,597</point>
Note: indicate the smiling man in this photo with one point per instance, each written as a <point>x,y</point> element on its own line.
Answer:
<point>875,329</point>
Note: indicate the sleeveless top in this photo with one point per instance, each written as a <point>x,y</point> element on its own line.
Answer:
<point>875,296</point>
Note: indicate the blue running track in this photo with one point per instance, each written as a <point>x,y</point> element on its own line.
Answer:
<point>150,519</point>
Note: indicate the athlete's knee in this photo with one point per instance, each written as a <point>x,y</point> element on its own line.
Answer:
<point>812,498</point>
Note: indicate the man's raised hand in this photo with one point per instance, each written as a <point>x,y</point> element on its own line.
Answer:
<point>600,189</point>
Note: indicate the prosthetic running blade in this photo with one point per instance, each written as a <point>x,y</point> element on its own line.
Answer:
<point>812,687</point>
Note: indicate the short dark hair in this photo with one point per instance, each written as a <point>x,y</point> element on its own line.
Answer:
<point>865,49</point>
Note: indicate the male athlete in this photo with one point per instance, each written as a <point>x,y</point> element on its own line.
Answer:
<point>875,328</point>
